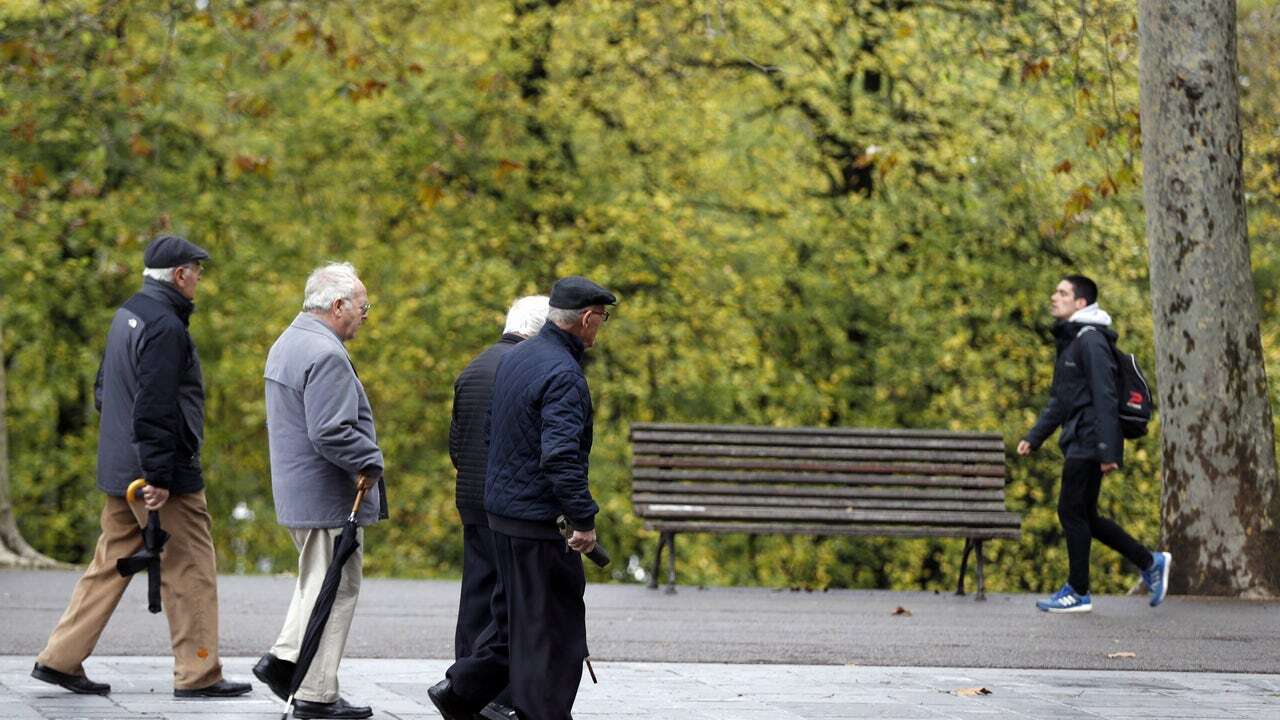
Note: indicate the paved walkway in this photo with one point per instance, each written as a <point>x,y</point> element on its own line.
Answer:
<point>687,691</point>
<point>415,619</point>
<point>711,654</point>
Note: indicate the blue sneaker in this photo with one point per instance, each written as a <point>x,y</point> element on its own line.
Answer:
<point>1157,576</point>
<point>1066,600</point>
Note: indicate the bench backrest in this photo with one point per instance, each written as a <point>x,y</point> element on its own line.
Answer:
<point>739,478</point>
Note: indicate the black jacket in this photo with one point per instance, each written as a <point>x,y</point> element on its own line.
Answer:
<point>469,427</point>
<point>151,395</point>
<point>1082,399</point>
<point>540,434</point>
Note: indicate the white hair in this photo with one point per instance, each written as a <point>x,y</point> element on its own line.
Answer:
<point>561,316</point>
<point>527,315</point>
<point>335,281</point>
<point>164,275</point>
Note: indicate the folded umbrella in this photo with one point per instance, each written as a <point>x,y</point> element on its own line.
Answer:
<point>343,548</point>
<point>148,558</point>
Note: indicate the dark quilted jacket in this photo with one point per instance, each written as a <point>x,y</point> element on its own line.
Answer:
<point>540,433</point>
<point>469,427</point>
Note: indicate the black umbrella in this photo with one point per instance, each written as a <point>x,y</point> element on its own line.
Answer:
<point>343,548</point>
<point>148,558</point>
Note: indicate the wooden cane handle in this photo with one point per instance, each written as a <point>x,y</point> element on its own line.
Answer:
<point>360,490</point>
<point>134,487</point>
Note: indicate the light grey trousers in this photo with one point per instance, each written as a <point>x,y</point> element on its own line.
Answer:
<point>315,553</point>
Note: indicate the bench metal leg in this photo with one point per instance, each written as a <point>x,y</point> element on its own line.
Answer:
<point>657,562</point>
<point>964,565</point>
<point>671,563</point>
<point>982,583</point>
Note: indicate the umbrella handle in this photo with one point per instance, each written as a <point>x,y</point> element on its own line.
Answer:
<point>360,490</point>
<point>131,493</point>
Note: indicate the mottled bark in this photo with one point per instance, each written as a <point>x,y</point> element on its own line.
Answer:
<point>1220,505</point>
<point>14,550</point>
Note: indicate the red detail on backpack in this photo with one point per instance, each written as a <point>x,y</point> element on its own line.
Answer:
<point>1135,398</point>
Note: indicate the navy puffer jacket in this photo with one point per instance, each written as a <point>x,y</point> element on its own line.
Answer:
<point>469,427</point>
<point>540,433</point>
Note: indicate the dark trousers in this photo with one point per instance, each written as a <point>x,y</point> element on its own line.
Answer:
<point>476,602</point>
<point>1078,513</point>
<point>540,641</point>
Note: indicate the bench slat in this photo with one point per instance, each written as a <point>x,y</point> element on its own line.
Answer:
<point>820,466</point>
<point>676,489</point>
<point>993,444</point>
<point>845,432</point>
<point>819,502</point>
<point>981,533</point>
<point>837,515</point>
<point>822,453</point>
<point>952,481</point>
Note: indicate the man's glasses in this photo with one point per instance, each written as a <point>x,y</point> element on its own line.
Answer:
<point>602,313</point>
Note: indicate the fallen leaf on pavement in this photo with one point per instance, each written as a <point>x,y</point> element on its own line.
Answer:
<point>902,611</point>
<point>1121,655</point>
<point>971,692</point>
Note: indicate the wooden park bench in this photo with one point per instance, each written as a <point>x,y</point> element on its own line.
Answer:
<point>820,481</point>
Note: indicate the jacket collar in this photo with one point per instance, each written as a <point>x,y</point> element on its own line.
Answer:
<point>511,339</point>
<point>1066,331</point>
<point>307,322</point>
<point>165,293</point>
<point>572,343</point>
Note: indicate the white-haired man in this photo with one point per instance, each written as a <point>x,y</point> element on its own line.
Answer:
<point>469,451</point>
<point>150,392</point>
<point>321,437</point>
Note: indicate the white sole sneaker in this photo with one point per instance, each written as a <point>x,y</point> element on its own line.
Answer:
<point>1164,580</point>
<point>1083,608</point>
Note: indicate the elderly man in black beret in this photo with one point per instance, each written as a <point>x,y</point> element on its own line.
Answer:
<point>150,394</point>
<point>540,440</point>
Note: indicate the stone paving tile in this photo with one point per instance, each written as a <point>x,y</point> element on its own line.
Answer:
<point>684,691</point>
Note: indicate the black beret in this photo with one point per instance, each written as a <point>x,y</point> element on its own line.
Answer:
<point>168,251</point>
<point>576,292</point>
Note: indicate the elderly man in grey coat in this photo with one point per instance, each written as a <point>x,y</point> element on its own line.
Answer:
<point>321,436</point>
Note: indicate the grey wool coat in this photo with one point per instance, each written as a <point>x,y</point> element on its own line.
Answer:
<point>319,430</point>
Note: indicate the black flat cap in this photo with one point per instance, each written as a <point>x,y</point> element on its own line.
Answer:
<point>576,292</point>
<point>168,251</point>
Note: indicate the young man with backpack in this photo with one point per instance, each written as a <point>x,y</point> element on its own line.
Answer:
<point>1085,401</point>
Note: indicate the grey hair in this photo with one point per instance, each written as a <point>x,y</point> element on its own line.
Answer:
<point>561,316</point>
<point>527,315</point>
<point>164,275</point>
<point>335,281</point>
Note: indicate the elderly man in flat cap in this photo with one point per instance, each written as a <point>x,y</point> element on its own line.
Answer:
<point>150,394</point>
<point>540,440</point>
<point>469,451</point>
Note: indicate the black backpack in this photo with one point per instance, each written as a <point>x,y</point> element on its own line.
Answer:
<point>1132,392</point>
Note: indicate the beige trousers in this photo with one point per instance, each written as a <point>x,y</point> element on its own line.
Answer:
<point>188,590</point>
<point>315,553</point>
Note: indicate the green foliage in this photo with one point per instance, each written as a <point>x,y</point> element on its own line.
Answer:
<point>818,213</point>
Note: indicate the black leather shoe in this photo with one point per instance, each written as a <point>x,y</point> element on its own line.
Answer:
<point>275,674</point>
<point>448,703</point>
<point>498,711</point>
<point>75,683</point>
<point>304,710</point>
<point>220,689</point>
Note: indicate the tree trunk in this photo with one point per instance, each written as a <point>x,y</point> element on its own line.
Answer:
<point>14,551</point>
<point>1220,505</point>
